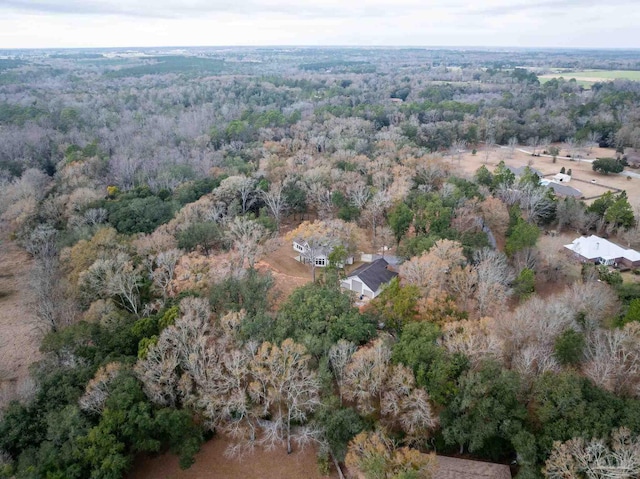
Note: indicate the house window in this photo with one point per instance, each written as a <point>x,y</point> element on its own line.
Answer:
<point>320,262</point>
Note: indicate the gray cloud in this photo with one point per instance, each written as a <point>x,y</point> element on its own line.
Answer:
<point>358,22</point>
<point>549,6</point>
<point>179,9</point>
<point>175,8</point>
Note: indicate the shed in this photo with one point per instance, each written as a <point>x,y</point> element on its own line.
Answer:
<point>562,178</point>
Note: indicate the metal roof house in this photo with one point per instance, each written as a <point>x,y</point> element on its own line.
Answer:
<point>594,249</point>
<point>369,279</point>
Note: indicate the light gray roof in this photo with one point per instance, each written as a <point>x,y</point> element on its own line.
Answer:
<point>564,190</point>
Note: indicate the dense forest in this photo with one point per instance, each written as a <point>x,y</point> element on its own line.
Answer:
<point>148,185</point>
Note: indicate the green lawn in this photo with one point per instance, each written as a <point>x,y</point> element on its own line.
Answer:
<point>588,77</point>
<point>607,74</point>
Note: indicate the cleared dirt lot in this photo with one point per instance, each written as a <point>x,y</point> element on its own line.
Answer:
<point>19,339</point>
<point>581,170</point>
<point>212,464</point>
<point>288,274</point>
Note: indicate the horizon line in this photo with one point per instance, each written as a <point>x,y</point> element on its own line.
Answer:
<point>328,46</point>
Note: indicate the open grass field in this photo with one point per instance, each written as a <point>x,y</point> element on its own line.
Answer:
<point>581,170</point>
<point>588,77</point>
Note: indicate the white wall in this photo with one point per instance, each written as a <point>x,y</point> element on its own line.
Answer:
<point>348,284</point>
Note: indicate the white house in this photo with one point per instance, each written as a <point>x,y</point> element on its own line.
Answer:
<point>369,279</point>
<point>320,252</point>
<point>598,250</point>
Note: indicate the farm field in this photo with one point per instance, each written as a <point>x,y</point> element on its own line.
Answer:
<point>592,76</point>
<point>582,170</point>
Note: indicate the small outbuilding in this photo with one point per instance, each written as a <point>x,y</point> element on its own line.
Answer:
<point>369,279</point>
<point>561,178</point>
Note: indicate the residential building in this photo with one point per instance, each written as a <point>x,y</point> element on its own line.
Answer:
<point>369,278</point>
<point>593,249</point>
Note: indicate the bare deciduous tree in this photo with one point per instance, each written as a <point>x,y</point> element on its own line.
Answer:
<point>50,302</point>
<point>365,375</point>
<point>614,359</point>
<point>513,142</point>
<point>617,458</point>
<point>275,201</point>
<point>285,387</point>
<point>373,213</point>
<point>433,269</point>
<point>114,277</point>
<point>494,277</point>
<point>165,268</point>
<point>359,193</point>
<point>339,356</point>
<point>247,237</point>
<point>97,390</point>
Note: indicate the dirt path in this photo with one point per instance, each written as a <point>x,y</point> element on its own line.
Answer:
<point>212,464</point>
<point>19,340</point>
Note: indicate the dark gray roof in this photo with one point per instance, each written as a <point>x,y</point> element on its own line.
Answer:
<point>520,170</point>
<point>374,274</point>
<point>564,190</point>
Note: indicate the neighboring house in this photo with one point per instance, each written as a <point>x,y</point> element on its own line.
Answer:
<point>561,189</point>
<point>454,468</point>
<point>561,178</point>
<point>321,253</point>
<point>369,279</point>
<point>593,249</point>
<point>521,170</point>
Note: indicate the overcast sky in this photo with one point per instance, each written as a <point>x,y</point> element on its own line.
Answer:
<point>119,23</point>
